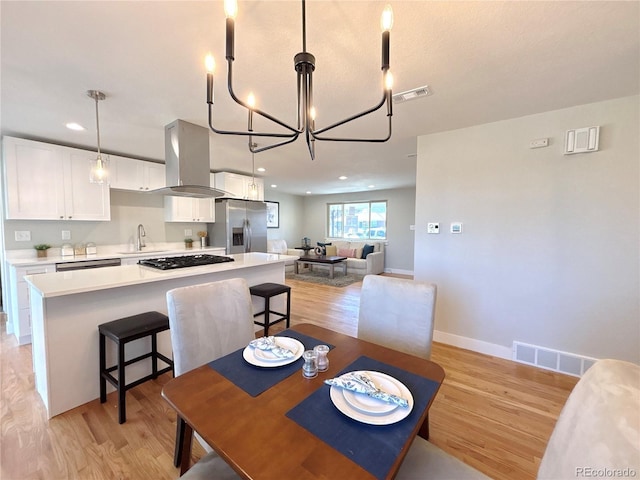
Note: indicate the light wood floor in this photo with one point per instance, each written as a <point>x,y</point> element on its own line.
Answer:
<point>494,414</point>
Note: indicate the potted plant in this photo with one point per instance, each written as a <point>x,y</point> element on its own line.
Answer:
<point>188,242</point>
<point>41,249</point>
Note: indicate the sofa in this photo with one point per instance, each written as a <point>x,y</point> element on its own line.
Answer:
<point>280,247</point>
<point>597,434</point>
<point>373,264</point>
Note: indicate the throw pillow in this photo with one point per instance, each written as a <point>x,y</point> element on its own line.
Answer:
<point>331,250</point>
<point>366,250</point>
<point>323,246</point>
<point>347,252</point>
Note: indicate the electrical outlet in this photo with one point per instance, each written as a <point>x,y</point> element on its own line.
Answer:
<point>188,232</point>
<point>23,236</point>
<point>433,227</point>
<point>66,234</point>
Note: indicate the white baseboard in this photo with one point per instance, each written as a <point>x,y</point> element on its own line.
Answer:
<point>467,343</point>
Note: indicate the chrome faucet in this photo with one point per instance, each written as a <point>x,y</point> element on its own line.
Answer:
<point>139,241</point>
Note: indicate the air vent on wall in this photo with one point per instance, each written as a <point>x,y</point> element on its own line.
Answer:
<point>412,94</point>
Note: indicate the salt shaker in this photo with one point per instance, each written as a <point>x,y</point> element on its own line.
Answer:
<point>322,361</point>
<point>310,368</point>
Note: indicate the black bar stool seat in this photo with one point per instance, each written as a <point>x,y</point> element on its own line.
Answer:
<point>123,331</point>
<point>266,291</point>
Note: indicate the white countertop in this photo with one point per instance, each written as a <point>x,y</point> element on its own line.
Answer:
<point>23,260</point>
<point>80,281</point>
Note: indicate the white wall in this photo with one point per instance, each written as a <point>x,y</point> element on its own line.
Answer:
<point>550,249</point>
<point>400,216</point>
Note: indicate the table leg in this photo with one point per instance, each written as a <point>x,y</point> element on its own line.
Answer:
<point>295,267</point>
<point>182,455</point>
<point>424,429</point>
<point>344,267</point>
<point>331,270</point>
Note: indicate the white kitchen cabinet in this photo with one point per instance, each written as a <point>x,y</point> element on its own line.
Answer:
<point>186,209</point>
<point>137,175</point>
<point>238,185</point>
<point>20,309</point>
<point>51,182</point>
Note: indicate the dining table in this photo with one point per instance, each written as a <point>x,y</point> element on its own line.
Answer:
<point>271,423</point>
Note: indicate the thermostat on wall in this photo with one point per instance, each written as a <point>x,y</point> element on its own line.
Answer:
<point>582,140</point>
<point>456,227</point>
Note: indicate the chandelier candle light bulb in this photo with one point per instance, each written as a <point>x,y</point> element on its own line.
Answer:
<point>251,101</point>
<point>210,65</point>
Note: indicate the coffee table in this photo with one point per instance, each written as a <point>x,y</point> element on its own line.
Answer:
<point>332,261</point>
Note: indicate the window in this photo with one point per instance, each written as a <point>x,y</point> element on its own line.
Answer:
<point>364,220</point>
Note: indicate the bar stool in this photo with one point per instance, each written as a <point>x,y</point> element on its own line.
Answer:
<point>266,291</point>
<point>123,331</point>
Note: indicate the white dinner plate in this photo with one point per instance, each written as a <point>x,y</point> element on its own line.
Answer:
<point>373,406</point>
<point>262,358</point>
<point>339,399</point>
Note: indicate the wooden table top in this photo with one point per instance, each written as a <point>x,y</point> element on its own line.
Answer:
<point>321,259</point>
<point>252,433</point>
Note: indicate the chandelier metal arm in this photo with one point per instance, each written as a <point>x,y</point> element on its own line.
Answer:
<point>245,105</point>
<point>269,147</point>
<point>385,97</point>
<point>361,140</point>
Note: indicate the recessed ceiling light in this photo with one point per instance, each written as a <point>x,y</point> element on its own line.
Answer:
<point>74,126</point>
<point>261,169</point>
<point>274,185</point>
<point>342,177</point>
<point>308,192</point>
<point>371,186</point>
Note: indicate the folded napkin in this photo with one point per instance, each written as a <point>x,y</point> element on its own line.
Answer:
<point>361,383</point>
<point>269,343</point>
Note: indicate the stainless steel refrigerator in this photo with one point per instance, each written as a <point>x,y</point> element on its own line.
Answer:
<point>240,227</point>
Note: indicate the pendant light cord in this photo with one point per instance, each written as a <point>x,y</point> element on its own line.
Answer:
<point>98,125</point>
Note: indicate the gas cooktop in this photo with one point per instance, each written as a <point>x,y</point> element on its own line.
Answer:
<point>168,263</point>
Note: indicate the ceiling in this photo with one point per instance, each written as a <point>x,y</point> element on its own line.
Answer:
<point>483,60</point>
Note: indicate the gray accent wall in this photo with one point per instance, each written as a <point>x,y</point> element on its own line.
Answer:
<point>291,217</point>
<point>549,253</point>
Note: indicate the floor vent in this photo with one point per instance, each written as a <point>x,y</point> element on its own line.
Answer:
<point>412,94</point>
<point>550,359</point>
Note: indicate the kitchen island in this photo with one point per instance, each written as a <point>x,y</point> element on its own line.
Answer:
<point>67,307</point>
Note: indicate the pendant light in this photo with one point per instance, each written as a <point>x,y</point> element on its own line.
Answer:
<point>253,188</point>
<point>98,167</point>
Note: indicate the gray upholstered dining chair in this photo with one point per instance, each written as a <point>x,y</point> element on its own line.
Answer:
<point>397,313</point>
<point>208,321</point>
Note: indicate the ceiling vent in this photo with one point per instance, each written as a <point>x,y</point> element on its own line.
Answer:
<point>412,94</point>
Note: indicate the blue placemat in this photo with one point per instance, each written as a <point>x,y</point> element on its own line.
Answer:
<point>373,447</point>
<point>255,380</point>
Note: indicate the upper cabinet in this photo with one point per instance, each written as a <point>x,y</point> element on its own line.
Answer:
<point>238,185</point>
<point>137,175</point>
<point>185,209</point>
<point>51,182</point>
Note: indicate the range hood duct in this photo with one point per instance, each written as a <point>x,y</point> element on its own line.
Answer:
<point>186,149</point>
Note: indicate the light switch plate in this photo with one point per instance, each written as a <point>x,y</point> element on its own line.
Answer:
<point>188,232</point>
<point>66,234</point>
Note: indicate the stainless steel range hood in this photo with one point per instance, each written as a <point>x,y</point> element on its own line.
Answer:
<point>186,148</point>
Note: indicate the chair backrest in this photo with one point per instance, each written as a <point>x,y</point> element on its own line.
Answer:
<point>397,313</point>
<point>208,321</point>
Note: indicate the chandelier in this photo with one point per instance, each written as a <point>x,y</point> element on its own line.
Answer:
<point>304,65</point>
<point>98,167</point>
